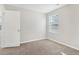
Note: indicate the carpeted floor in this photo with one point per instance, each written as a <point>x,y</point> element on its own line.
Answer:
<point>41,47</point>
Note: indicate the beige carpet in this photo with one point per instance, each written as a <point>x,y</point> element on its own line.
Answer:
<point>41,47</point>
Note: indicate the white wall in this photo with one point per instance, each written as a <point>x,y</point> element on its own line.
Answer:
<point>1,9</point>
<point>32,24</point>
<point>75,25</point>
<point>68,26</point>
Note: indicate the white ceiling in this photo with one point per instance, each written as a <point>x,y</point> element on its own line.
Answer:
<point>44,8</point>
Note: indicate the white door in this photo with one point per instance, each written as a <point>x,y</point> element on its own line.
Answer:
<point>10,29</point>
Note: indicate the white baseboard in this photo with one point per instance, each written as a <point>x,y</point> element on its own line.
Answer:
<point>65,44</point>
<point>32,40</point>
<point>54,41</point>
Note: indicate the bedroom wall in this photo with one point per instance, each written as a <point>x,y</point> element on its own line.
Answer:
<point>68,33</point>
<point>1,11</point>
<point>33,24</point>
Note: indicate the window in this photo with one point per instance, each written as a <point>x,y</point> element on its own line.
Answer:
<point>53,24</point>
